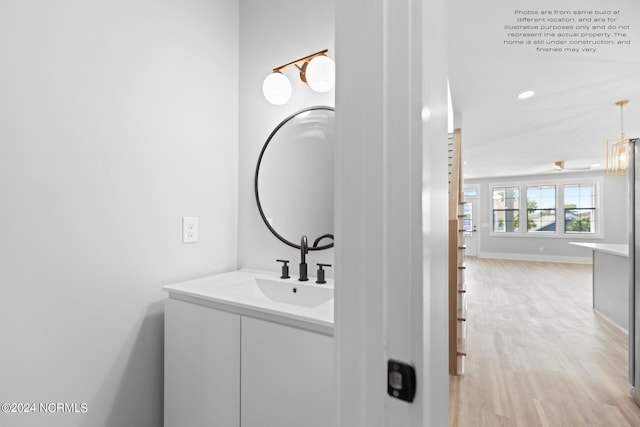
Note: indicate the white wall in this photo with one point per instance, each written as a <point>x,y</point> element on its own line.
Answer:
<point>614,207</point>
<point>271,34</point>
<point>116,119</point>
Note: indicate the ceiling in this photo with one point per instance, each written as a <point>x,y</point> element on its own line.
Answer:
<point>573,112</point>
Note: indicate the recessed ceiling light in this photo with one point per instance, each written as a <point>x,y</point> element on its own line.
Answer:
<point>526,94</point>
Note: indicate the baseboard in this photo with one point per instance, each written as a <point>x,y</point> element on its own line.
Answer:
<point>610,321</point>
<point>536,257</point>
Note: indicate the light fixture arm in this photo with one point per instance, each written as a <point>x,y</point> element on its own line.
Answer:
<point>299,63</point>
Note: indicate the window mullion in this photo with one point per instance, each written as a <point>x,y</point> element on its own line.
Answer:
<point>560,217</point>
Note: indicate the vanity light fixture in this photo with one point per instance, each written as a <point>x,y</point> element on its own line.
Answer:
<point>317,70</point>
<point>618,149</point>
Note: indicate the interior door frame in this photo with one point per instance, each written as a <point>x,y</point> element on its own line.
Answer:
<point>390,187</point>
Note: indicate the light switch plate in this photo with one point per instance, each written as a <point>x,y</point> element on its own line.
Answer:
<point>189,229</point>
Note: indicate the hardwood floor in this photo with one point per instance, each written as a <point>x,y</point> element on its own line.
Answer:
<point>538,355</point>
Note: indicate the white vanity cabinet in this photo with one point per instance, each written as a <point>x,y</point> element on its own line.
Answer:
<point>230,369</point>
<point>201,366</point>
<point>287,376</point>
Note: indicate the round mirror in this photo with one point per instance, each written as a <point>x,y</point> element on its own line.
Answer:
<point>294,178</point>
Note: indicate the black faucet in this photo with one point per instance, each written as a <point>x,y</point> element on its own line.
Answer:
<point>304,250</point>
<point>324,236</point>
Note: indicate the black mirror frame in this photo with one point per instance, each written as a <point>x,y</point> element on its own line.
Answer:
<point>315,246</point>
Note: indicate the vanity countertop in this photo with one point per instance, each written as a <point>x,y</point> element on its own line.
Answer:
<point>263,295</point>
<point>610,248</point>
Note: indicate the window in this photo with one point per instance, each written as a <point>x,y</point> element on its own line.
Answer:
<point>566,208</point>
<point>506,201</point>
<point>470,192</point>
<point>580,208</point>
<point>541,208</point>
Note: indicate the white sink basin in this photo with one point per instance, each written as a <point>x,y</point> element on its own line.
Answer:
<point>288,291</point>
<point>302,294</point>
<point>263,295</point>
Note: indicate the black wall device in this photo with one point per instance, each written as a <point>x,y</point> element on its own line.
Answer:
<point>401,380</point>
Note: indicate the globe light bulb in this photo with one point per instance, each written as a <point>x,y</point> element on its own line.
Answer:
<point>277,88</point>
<point>321,74</point>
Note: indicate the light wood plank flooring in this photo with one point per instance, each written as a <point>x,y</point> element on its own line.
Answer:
<point>537,353</point>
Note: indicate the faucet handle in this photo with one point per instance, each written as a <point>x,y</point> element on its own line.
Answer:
<point>320,279</point>
<point>285,268</point>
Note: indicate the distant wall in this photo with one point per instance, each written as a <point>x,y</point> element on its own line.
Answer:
<point>615,208</point>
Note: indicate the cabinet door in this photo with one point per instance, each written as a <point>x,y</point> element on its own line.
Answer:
<point>202,366</point>
<point>287,376</point>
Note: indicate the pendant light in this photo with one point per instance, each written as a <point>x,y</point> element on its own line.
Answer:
<point>618,149</point>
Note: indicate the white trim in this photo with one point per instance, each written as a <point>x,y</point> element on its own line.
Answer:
<point>544,181</point>
<point>435,395</point>
<point>536,257</point>
<point>390,301</point>
<point>611,322</point>
<point>534,235</point>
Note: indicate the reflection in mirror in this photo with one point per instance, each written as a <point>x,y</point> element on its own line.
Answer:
<point>294,178</point>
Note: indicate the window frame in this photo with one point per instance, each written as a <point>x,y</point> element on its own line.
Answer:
<point>505,210</point>
<point>559,183</point>
<point>596,211</point>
